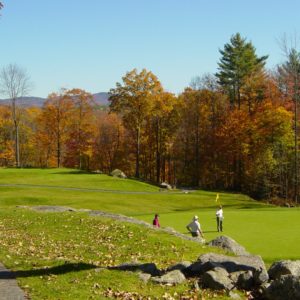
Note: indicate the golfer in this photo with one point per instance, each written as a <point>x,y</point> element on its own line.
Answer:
<point>156,221</point>
<point>220,217</point>
<point>194,228</point>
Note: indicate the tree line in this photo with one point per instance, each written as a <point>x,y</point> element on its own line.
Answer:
<point>233,130</point>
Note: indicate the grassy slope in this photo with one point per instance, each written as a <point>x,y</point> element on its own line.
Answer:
<point>269,231</point>
<point>58,255</point>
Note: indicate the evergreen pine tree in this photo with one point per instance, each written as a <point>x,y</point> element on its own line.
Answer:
<point>238,62</point>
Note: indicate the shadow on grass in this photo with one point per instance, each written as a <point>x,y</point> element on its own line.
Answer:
<point>57,270</point>
<point>76,172</point>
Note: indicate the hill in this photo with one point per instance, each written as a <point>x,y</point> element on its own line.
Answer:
<point>100,99</point>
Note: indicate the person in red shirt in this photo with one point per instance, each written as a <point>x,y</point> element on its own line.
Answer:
<point>156,221</point>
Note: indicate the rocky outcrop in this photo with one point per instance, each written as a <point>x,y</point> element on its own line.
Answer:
<point>286,287</point>
<point>231,264</point>
<point>228,244</point>
<point>118,173</point>
<point>284,267</point>
<point>165,185</point>
<point>172,277</point>
<point>217,279</point>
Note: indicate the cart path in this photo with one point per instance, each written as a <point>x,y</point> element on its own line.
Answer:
<point>9,289</point>
<point>91,189</point>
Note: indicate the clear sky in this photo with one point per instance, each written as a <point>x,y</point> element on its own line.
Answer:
<point>91,44</point>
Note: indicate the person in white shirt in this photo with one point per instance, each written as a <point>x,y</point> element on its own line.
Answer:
<point>220,217</point>
<point>194,228</point>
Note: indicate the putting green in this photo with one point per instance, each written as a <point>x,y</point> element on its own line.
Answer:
<point>272,233</point>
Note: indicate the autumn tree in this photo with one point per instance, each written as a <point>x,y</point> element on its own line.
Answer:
<point>56,117</point>
<point>80,136</point>
<point>6,143</point>
<point>108,145</point>
<point>134,100</point>
<point>237,65</point>
<point>200,116</point>
<point>162,123</point>
<point>289,75</point>
<point>15,84</point>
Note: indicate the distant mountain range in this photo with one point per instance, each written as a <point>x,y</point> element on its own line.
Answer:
<point>99,98</point>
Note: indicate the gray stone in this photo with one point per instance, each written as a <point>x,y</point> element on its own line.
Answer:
<point>118,173</point>
<point>286,287</point>
<point>284,267</point>
<point>181,266</point>
<point>51,208</point>
<point>144,277</point>
<point>246,281</point>
<point>149,268</point>
<point>233,295</point>
<point>209,261</point>
<point>217,279</point>
<point>173,277</point>
<point>227,243</point>
<point>243,280</point>
<point>165,185</point>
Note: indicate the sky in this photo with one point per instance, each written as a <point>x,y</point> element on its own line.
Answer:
<point>91,44</point>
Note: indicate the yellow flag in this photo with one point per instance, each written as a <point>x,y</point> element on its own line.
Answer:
<point>217,197</point>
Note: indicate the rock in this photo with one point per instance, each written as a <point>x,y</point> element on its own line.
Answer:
<point>173,277</point>
<point>144,277</point>
<point>286,287</point>
<point>50,208</point>
<point>227,243</point>
<point>245,281</point>
<point>165,185</point>
<point>118,173</point>
<point>217,279</point>
<point>149,268</point>
<point>181,266</point>
<point>284,267</point>
<point>210,261</point>
<point>97,172</point>
<point>233,295</point>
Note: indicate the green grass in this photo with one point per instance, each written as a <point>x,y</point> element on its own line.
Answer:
<point>71,178</point>
<point>65,255</point>
<point>263,229</point>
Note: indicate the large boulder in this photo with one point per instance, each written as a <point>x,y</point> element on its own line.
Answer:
<point>217,279</point>
<point>118,173</point>
<point>227,243</point>
<point>284,267</point>
<point>172,277</point>
<point>165,185</point>
<point>286,287</point>
<point>210,261</point>
<point>144,277</point>
<point>243,280</point>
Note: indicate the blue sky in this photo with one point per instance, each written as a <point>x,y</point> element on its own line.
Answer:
<point>91,44</point>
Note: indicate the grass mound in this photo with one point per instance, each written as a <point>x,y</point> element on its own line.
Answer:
<point>52,253</point>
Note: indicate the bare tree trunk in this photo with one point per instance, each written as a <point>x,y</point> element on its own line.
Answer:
<point>158,155</point>
<point>296,139</point>
<point>137,158</point>
<point>16,131</point>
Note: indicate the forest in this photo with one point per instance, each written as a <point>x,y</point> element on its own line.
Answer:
<point>233,130</point>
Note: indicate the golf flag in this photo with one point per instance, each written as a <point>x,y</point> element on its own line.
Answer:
<point>217,197</point>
